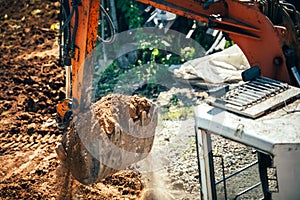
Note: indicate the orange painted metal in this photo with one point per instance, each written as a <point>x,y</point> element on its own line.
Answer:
<point>260,52</point>
<point>63,107</point>
<point>188,8</point>
<point>247,26</point>
<point>85,41</point>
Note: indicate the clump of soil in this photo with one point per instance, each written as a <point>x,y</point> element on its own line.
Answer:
<point>108,108</point>
<point>117,131</point>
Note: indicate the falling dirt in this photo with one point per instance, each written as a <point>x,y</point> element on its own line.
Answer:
<point>31,85</point>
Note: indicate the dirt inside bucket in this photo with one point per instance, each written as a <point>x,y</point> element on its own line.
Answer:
<point>110,108</point>
<point>116,132</point>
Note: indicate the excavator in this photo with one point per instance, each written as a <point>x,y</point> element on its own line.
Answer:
<point>267,31</point>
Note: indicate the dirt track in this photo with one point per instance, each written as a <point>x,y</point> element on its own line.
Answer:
<point>31,84</point>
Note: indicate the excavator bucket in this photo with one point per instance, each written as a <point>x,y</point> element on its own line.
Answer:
<point>116,132</point>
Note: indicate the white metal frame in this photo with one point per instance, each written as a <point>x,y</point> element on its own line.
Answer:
<point>276,134</point>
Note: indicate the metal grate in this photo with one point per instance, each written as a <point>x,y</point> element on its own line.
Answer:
<point>252,93</point>
<point>254,98</point>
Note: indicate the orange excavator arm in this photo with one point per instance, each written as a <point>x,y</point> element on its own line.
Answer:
<point>85,42</point>
<point>79,35</point>
<point>263,42</point>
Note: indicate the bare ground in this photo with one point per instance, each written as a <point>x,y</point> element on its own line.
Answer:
<point>31,84</point>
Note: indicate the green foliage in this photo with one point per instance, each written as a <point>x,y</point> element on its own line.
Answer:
<point>130,11</point>
<point>173,100</point>
<point>154,56</point>
<point>143,80</point>
<point>151,67</point>
<point>228,43</point>
<point>155,48</point>
<point>108,79</point>
<point>177,113</point>
<point>202,38</point>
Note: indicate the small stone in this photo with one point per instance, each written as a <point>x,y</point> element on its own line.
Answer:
<point>178,185</point>
<point>180,173</point>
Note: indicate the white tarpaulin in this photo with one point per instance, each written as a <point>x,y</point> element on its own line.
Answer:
<point>220,67</point>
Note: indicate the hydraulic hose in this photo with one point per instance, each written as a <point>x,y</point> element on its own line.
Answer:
<point>111,26</point>
<point>68,19</point>
<point>65,39</point>
<point>74,30</point>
